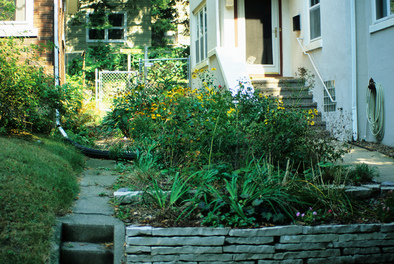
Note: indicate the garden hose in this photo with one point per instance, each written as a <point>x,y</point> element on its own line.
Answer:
<point>375,109</point>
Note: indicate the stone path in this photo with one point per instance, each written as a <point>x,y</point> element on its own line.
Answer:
<point>91,230</point>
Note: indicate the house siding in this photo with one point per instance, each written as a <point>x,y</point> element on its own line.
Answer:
<point>138,30</point>
<point>375,59</point>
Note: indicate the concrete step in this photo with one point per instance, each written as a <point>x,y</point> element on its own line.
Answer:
<point>81,232</point>
<point>86,253</point>
<point>294,95</point>
<point>85,243</point>
<point>277,82</point>
<point>295,91</point>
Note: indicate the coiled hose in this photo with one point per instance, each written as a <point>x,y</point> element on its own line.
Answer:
<point>375,109</point>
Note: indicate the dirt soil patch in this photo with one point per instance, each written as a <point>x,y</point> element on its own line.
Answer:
<point>373,146</point>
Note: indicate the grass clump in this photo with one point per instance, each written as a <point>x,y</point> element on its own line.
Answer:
<point>38,181</point>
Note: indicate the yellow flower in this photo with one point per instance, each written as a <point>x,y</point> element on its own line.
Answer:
<point>196,71</point>
<point>202,70</point>
<point>194,76</point>
<point>316,112</point>
<point>312,123</point>
<point>213,69</point>
<point>310,111</point>
<point>230,111</point>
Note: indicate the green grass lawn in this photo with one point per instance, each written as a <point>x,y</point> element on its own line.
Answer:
<point>38,181</point>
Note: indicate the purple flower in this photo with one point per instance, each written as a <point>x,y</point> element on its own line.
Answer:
<point>298,214</point>
<point>314,213</point>
<point>302,215</point>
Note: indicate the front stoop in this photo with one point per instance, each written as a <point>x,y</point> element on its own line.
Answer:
<point>293,94</point>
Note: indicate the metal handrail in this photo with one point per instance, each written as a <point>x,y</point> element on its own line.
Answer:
<point>317,71</point>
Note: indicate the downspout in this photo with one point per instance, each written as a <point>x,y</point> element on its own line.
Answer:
<point>354,67</point>
<point>56,59</point>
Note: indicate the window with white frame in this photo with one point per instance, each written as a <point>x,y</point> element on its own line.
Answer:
<point>329,106</point>
<point>16,18</point>
<point>314,19</point>
<point>201,37</point>
<point>113,31</point>
<point>383,9</point>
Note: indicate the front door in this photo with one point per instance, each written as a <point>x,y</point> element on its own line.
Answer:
<point>262,36</point>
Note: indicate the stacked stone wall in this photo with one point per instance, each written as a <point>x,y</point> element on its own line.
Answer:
<point>363,243</point>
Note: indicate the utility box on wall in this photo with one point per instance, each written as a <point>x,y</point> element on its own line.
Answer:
<point>296,23</point>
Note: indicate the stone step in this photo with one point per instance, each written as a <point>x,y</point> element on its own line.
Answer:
<point>294,92</point>
<point>85,243</point>
<point>277,82</point>
<point>294,95</point>
<point>81,232</point>
<point>85,253</point>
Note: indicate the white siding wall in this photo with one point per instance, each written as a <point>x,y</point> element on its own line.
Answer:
<point>332,58</point>
<point>375,59</point>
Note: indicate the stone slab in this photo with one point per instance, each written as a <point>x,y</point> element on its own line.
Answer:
<point>175,241</point>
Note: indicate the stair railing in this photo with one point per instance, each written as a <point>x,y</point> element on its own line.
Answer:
<point>316,70</point>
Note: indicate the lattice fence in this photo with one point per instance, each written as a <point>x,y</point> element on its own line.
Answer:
<point>108,83</point>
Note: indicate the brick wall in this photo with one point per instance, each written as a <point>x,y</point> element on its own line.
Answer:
<point>362,243</point>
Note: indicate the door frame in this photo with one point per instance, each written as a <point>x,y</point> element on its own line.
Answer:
<point>261,69</point>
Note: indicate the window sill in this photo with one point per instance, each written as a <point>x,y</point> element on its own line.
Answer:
<point>381,25</point>
<point>105,41</point>
<point>201,64</point>
<point>18,32</point>
<point>315,44</point>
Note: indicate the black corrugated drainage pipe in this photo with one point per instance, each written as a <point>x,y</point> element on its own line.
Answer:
<point>90,152</point>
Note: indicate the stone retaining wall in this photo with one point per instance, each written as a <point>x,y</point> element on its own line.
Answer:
<point>369,243</point>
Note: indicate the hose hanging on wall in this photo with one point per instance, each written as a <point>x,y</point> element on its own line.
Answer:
<point>375,109</point>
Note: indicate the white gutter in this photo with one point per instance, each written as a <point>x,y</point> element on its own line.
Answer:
<point>354,66</point>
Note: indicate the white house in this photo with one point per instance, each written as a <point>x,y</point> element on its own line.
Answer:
<point>345,42</point>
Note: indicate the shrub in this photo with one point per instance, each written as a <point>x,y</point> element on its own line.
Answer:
<point>206,125</point>
<point>28,96</point>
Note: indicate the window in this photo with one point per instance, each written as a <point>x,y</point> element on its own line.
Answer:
<point>201,38</point>
<point>114,32</point>
<point>16,18</point>
<point>329,106</point>
<point>383,8</point>
<point>314,19</point>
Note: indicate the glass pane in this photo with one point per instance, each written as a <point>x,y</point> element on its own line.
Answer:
<point>392,7</point>
<point>197,51</point>
<point>13,10</point>
<point>315,23</point>
<point>201,20</point>
<point>205,21</point>
<point>381,8</point>
<point>96,33</point>
<point>115,33</point>
<point>116,20</point>
<point>202,48</point>
<point>314,2</point>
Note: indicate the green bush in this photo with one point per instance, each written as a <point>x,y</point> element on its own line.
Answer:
<point>28,96</point>
<point>204,126</point>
